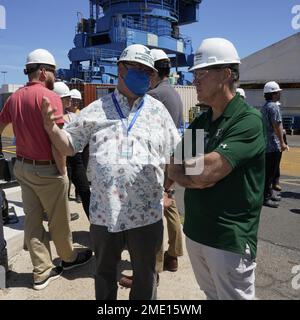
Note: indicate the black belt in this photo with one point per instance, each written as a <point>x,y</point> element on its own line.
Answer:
<point>36,162</point>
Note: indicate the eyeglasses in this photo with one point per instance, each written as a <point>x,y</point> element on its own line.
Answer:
<point>200,74</point>
<point>140,67</point>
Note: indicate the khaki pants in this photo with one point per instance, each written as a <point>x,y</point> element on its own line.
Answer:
<point>175,236</point>
<point>44,190</point>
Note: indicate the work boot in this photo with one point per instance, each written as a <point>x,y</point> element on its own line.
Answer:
<point>170,263</point>
<point>271,204</point>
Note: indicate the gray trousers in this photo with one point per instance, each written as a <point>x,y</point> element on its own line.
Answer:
<point>222,275</point>
<point>142,244</point>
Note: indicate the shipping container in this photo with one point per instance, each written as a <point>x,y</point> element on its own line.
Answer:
<point>91,92</point>
<point>188,95</point>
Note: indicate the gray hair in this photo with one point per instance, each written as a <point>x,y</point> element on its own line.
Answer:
<point>235,77</point>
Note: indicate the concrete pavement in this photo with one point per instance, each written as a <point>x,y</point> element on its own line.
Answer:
<point>278,251</point>
<point>78,283</point>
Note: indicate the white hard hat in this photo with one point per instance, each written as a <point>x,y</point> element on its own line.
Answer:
<point>61,89</point>
<point>159,54</point>
<point>40,56</point>
<point>138,53</point>
<point>215,51</point>
<point>241,92</point>
<point>75,94</point>
<point>271,87</point>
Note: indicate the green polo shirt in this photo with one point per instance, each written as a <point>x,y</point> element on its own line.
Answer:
<point>226,216</point>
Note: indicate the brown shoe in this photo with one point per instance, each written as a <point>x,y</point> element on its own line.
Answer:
<point>126,281</point>
<point>170,263</point>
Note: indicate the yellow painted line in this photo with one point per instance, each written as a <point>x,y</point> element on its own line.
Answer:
<point>291,180</point>
<point>10,147</point>
<point>290,183</point>
<point>7,151</point>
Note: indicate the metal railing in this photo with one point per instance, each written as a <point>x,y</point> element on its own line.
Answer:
<point>100,54</point>
<point>170,5</point>
<point>145,25</point>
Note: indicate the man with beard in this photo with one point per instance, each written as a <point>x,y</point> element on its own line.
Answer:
<point>44,187</point>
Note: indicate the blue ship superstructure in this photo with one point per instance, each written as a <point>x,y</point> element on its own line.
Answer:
<point>115,24</point>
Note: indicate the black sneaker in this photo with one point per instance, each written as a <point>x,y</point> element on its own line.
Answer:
<point>82,258</point>
<point>55,273</point>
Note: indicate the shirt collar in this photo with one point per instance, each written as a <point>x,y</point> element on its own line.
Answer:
<point>32,83</point>
<point>123,101</point>
<point>229,110</point>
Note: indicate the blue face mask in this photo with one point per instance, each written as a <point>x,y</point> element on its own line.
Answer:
<point>137,81</point>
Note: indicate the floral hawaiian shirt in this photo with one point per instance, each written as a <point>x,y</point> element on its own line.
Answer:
<point>272,116</point>
<point>127,169</point>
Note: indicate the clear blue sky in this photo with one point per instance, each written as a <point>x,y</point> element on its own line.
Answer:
<point>50,24</point>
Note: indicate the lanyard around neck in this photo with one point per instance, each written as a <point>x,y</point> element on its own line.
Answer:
<point>121,114</point>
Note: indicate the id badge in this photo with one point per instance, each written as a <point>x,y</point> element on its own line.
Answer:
<point>126,149</point>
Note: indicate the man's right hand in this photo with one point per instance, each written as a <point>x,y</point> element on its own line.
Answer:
<point>49,118</point>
